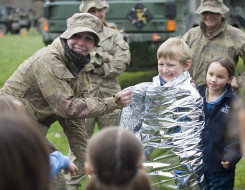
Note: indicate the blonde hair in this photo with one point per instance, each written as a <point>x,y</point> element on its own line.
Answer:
<point>174,49</point>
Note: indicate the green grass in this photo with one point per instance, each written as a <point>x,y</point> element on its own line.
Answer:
<point>14,49</point>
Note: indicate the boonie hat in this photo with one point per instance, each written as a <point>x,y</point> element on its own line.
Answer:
<point>82,22</point>
<point>88,4</point>
<point>215,6</point>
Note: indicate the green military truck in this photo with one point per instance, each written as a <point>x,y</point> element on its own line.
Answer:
<point>12,19</point>
<point>146,23</point>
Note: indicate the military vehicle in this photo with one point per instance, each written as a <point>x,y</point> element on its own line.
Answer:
<point>146,23</point>
<point>13,19</point>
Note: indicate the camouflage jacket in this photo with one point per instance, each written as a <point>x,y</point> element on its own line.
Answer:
<point>227,41</point>
<point>50,91</point>
<point>105,83</point>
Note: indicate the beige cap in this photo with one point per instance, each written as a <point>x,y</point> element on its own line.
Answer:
<point>82,22</point>
<point>215,6</point>
<point>88,4</point>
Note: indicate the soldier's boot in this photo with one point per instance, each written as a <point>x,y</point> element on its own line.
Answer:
<point>58,182</point>
<point>75,182</point>
<point>72,187</point>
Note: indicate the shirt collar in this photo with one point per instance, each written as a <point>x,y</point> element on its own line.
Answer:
<point>218,99</point>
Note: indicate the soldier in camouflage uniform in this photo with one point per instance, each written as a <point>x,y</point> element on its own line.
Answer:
<point>109,60</point>
<point>214,37</point>
<point>53,84</point>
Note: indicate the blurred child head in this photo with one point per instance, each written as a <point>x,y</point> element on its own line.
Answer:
<point>114,160</point>
<point>241,119</point>
<point>220,72</point>
<point>24,157</point>
<point>174,58</point>
<point>10,104</point>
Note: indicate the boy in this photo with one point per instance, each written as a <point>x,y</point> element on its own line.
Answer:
<point>166,115</point>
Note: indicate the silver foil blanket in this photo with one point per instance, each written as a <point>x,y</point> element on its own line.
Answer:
<point>169,121</point>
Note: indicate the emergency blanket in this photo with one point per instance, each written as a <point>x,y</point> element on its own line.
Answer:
<point>168,120</point>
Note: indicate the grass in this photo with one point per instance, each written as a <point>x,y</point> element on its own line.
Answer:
<point>14,49</point>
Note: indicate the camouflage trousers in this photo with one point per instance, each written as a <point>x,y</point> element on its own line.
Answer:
<point>77,138</point>
<point>107,120</point>
<point>103,121</point>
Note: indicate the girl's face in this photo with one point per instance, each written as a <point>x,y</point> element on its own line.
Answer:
<point>217,77</point>
<point>169,69</point>
<point>100,13</point>
<point>82,42</point>
<point>211,19</point>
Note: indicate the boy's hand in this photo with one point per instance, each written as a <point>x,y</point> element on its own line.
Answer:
<point>225,164</point>
<point>72,170</point>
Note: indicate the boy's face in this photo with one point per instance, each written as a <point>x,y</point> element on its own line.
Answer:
<point>169,69</point>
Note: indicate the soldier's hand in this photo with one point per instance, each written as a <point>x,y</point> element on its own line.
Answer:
<point>95,71</point>
<point>72,170</point>
<point>234,83</point>
<point>225,164</point>
<point>111,58</point>
<point>126,97</point>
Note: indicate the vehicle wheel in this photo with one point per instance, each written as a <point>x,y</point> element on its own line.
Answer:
<point>15,28</point>
<point>4,28</point>
<point>16,31</point>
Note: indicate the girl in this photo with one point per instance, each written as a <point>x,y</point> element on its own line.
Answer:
<point>114,161</point>
<point>220,153</point>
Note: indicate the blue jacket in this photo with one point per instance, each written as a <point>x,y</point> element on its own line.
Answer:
<point>218,145</point>
<point>57,162</point>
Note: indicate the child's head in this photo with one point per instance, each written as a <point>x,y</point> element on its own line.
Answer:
<point>114,159</point>
<point>220,72</point>
<point>241,122</point>
<point>24,155</point>
<point>10,104</point>
<point>174,58</point>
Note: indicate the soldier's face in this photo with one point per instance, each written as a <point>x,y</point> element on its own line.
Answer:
<point>82,42</point>
<point>100,13</point>
<point>211,20</point>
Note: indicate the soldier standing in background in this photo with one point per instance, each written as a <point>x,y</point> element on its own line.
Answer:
<point>109,60</point>
<point>214,37</point>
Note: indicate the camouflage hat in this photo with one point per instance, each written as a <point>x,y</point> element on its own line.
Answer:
<point>82,22</point>
<point>215,6</point>
<point>88,4</point>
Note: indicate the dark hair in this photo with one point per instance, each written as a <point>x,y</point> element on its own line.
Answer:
<point>115,156</point>
<point>226,62</point>
<point>23,155</point>
<point>96,38</point>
